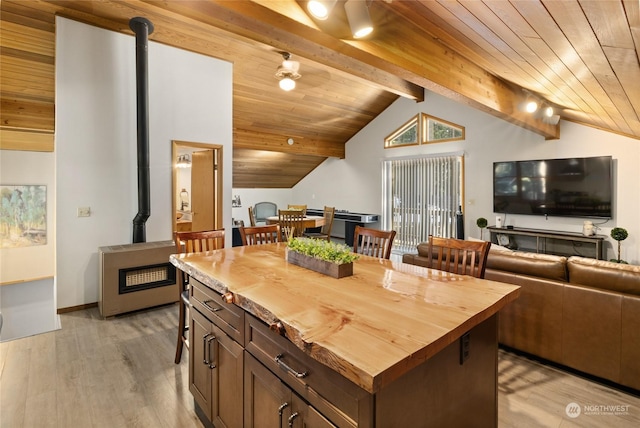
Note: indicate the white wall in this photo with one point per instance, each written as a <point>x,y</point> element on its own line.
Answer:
<point>249,197</point>
<point>30,168</point>
<point>27,300</point>
<point>28,308</point>
<point>355,183</point>
<point>190,99</point>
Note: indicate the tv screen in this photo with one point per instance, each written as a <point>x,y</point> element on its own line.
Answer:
<point>574,187</point>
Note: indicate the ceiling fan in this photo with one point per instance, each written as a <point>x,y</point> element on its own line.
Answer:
<point>287,72</point>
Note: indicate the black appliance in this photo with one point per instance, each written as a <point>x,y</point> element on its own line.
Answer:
<point>573,187</point>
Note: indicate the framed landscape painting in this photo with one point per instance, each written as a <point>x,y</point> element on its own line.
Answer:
<point>23,215</point>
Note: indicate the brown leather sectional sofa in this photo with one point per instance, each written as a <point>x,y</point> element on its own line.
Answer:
<point>581,313</point>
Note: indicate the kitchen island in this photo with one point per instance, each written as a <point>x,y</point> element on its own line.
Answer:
<point>392,345</point>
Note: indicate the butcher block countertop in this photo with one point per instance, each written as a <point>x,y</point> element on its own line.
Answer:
<point>372,327</point>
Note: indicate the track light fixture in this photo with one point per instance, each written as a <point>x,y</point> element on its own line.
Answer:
<point>359,18</point>
<point>320,9</point>
<point>531,105</point>
<point>548,115</point>
<point>539,108</point>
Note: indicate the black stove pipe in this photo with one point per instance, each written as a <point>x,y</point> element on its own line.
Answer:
<point>142,27</point>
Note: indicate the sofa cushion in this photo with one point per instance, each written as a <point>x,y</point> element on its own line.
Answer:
<point>541,265</point>
<point>532,323</point>
<point>630,342</point>
<point>423,249</point>
<point>605,275</point>
<point>591,320</point>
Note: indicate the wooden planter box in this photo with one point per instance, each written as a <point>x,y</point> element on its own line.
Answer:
<point>321,266</point>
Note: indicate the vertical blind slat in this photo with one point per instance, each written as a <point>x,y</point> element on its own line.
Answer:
<point>421,196</point>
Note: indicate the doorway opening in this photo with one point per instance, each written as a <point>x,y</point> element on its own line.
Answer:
<point>196,194</point>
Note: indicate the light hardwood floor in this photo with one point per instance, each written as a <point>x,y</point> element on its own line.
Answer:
<point>120,373</point>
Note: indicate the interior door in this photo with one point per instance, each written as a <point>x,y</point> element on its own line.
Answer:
<point>203,185</point>
<point>205,190</point>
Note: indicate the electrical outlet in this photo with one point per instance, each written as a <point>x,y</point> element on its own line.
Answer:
<point>84,211</point>
<point>465,343</point>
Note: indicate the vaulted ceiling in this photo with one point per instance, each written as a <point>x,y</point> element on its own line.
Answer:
<point>579,56</point>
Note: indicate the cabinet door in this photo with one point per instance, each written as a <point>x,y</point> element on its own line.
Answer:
<point>306,416</point>
<point>200,337</point>
<point>227,381</point>
<point>311,418</point>
<point>267,401</point>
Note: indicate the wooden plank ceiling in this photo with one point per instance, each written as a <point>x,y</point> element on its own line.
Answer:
<point>580,56</point>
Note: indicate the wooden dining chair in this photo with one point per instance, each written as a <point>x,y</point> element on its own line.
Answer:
<point>255,235</point>
<point>373,242</point>
<point>458,256</point>
<point>291,223</point>
<point>252,217</point>
<point>302,208</point>
<point>191,242</point>
<point>325,232</point>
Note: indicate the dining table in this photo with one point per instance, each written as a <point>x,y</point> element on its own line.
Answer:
<point>308,221</point>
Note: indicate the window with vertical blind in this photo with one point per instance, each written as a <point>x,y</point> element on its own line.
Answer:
<point>420,197</point>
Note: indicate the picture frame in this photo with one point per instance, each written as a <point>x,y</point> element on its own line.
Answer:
<point>23,215</point>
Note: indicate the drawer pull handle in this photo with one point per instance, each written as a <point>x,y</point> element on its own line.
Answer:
<point>280,410</point>
<point>212,364</point>
<point>299,375</point>
<point>213,309</point>
<point>291,418</point>
<point>204,349</point>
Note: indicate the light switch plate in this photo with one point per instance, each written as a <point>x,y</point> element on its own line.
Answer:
<point>84,211</point>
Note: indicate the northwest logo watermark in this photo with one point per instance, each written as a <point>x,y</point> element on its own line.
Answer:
<point>573,410</point>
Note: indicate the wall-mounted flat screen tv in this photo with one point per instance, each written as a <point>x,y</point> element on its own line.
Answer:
<point>573,187</point>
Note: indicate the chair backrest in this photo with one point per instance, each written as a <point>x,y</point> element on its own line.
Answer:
<point>373,242</point>
<point>458,256</point>
<point>291,223</point>
<point>262,210</point>
<point>255,235</point>
<point>302,208</point>
<point>329,214</point>
<point>252,217</point>
<point>196,242</point>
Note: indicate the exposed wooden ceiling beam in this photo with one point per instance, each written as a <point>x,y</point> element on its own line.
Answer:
<point>244,139</point>
<point>264,25</point>
<point>403,69</point>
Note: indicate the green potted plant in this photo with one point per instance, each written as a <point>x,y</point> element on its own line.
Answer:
<point>619,234</point>
<point>481,222</point>
<point>322,256</point>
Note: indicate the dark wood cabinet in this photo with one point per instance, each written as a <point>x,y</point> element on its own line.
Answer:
<point>199,372</point>
<point>215,372</point>
<point>275,345</point>
<point>271,403</point>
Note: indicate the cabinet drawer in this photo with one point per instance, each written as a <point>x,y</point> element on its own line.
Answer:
<point>211,304</point>
<point>337,398</point>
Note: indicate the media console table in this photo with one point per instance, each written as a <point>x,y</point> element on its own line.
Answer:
<point>549,241</point>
